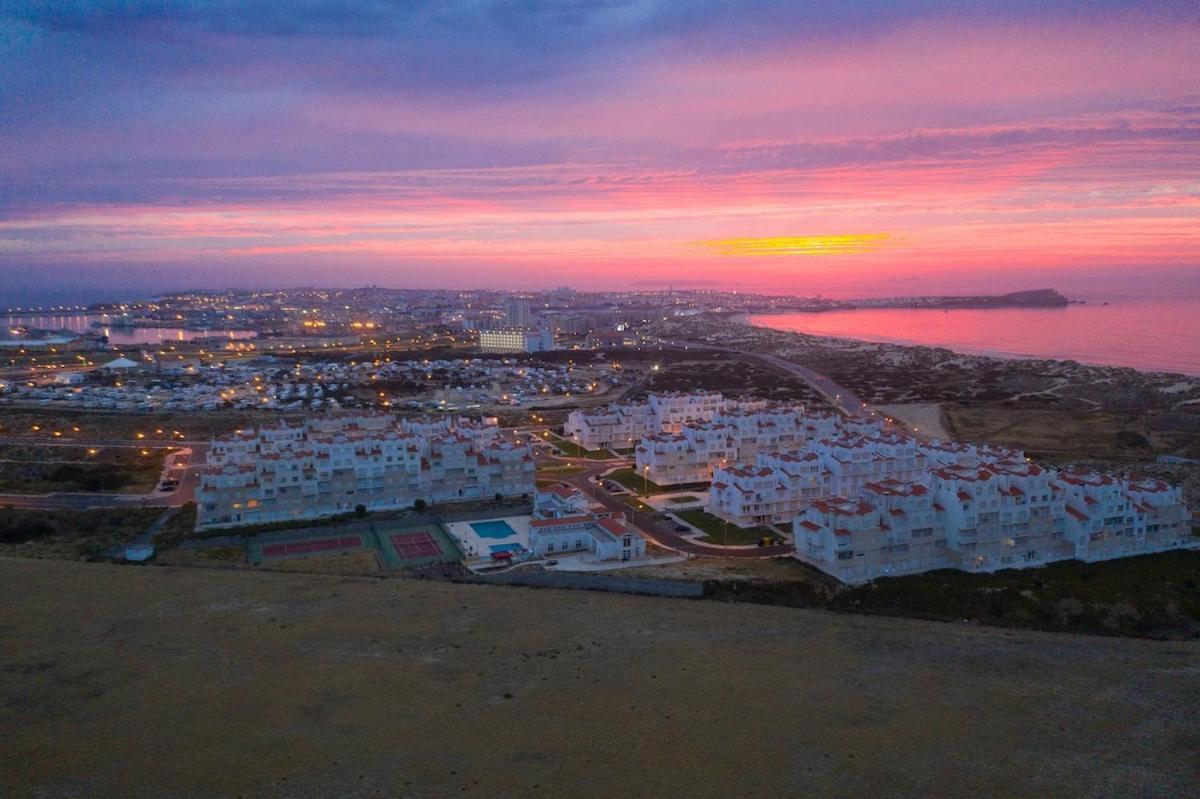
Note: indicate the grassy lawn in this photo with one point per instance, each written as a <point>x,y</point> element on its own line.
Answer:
<point>559,471</point>
<point>636,482</point>
<point>717,532</point>
<point>573,450</point>
<point>70,534</point>
<point>43,468</point>
<point>636,504</point>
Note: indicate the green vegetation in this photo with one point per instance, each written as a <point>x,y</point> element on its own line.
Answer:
<point>716,531</point>
<point>45,468</point>
<point>91,424</point>
<point>178,528</point>
<point>634,481</point>
<point>731,374</point>
<point>1054,433</point>
<point>71,533</point>
<point>559,471</point>
<point>636,504</point>
<point>1150,596</point>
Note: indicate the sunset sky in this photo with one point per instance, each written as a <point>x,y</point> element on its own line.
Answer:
<point>803,147</point>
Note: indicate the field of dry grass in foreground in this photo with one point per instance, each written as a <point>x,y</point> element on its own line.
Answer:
<point>125,681</point>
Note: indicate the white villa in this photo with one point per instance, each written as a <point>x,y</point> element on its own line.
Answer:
<point>563,525</point>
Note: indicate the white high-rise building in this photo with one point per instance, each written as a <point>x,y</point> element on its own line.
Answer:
<point>516,312</point>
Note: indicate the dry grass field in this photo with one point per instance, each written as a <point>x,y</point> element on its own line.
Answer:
<point>127,682</point>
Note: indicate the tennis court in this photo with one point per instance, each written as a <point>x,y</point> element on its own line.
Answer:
<point>312,546</point>
<point>406,547</point>
<point>411,546</point>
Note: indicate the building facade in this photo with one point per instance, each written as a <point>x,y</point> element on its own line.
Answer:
<point>328,466</point>
<point>510,340</point>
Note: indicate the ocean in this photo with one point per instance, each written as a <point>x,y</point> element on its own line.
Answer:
<point>1161,335</point>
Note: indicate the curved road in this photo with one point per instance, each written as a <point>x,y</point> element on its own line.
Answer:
<point>841,398</point>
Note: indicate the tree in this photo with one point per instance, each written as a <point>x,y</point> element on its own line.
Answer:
<point>419,505</point>
<point>499,497</point>
<point>360,510</point>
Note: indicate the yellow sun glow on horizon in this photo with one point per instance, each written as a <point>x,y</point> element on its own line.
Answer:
<point>844,244</point>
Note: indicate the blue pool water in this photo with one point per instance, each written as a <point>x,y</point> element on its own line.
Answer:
<point>493,529</point>
<point>505,547</point>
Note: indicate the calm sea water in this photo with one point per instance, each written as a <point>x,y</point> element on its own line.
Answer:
<point>1152,335</point>
<point>83,323</point>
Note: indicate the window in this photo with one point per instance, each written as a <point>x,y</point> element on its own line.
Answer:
<point>845,555</point>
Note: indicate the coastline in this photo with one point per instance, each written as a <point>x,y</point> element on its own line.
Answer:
<point>961,348</point>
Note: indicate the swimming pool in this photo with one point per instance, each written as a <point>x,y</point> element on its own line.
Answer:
<point>493,529</point>
<point>505,547</point>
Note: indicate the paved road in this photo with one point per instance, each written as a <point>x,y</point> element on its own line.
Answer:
<point>840,397</point>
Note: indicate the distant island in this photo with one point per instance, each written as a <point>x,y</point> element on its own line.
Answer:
<point>1034,298</point>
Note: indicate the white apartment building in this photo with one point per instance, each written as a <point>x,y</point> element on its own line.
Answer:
<point>516,340</point>
<point>738,432</point>
<point>766,428</point>
<point>853,460</point>
<point>1111,517</point>
<point>673,410</point>
<point>620,424</point>
<point>328,466</point>
<point>894,529</point>
<point>624,424</point>
<point>779,485</point>
<point>1001,515</point>
<point>987,517</point>
<point>690,456</point>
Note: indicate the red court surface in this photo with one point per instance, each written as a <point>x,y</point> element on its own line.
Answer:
<point>311,546</point>
<point>411,546</point>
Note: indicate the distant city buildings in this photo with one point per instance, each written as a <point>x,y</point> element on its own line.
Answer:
<point>517,313</point>
<point>326,466</point>
<point>516,340</point>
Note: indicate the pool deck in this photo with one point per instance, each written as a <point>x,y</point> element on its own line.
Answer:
<point>477,547</point>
